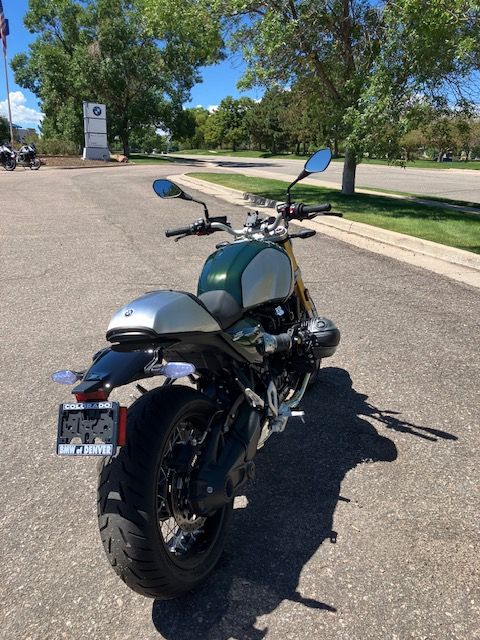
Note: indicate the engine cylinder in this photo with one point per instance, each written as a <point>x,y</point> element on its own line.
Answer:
<point>323,336</point>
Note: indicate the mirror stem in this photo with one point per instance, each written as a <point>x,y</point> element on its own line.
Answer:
<point>187,196</point>
<point>300,177</point>
<point>205,209</point>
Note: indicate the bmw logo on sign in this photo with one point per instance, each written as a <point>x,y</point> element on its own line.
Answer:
<point>97,111</point>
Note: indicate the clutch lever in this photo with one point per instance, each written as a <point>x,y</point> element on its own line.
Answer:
<point>304,234</point>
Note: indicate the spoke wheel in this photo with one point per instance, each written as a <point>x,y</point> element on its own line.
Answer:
<point>185,536</point>
<point>153,540</point>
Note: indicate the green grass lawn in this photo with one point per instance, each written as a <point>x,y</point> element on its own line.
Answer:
<point>448,227</point>
<point>140,158</point>
<point>460,203</point>
<point>419,164</point>
<point>238,154</point>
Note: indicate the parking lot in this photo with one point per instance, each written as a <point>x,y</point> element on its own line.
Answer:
<point>362,523</point>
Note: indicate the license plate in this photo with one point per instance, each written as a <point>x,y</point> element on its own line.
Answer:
<point>87,428</point>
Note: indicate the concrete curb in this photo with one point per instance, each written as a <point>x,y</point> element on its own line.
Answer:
<point>457,264</point>
<point>72,167</point>
<point>396,196</point>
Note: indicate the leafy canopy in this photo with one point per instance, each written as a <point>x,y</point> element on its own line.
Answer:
<point>373,61</point>
<point>142,65</point>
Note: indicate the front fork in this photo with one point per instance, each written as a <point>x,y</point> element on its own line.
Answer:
<point>301,291</point>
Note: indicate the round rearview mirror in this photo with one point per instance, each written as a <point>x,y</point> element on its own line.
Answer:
<point>319,161</point>
<point>167,189</point>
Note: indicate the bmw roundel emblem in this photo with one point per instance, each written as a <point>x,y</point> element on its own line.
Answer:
<point>97,111</point>
<point>128,312</point>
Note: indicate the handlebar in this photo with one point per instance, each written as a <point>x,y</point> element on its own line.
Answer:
<point>297,211</point>
<point>304,209</point>
<point>179,231</point>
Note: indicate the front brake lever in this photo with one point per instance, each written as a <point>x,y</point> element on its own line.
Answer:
<point>181,237</point>
<point>311,216</point>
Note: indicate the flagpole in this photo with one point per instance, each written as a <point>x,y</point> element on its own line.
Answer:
<point>8,95</point>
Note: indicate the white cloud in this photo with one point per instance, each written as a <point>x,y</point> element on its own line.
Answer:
<point>212,108</point>
<point>21,114</point>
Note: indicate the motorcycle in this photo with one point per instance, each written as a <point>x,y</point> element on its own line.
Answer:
<point>27,157</point>
<point>249,343</point>
<point>7,157</point>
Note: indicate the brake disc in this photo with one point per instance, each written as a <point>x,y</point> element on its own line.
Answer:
<point>186,520</point>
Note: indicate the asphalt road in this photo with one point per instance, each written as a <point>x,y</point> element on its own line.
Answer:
<point>362,523</point>
<point>454,184</point>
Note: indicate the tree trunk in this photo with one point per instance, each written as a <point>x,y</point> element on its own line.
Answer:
<point>349,169</point>
<point>335,147</point>
<point>125,137</point>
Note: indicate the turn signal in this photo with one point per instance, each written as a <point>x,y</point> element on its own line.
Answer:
<point>65,377</point>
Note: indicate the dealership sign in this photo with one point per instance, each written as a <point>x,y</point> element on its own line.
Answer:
<point>95,128</point>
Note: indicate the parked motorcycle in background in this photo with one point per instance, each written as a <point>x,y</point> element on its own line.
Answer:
<point>27,157</point>
<point>249,342</point>
<point>7,157</point>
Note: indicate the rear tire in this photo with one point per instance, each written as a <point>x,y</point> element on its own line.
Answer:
<point>132,508</point>
<point>10,165</point>
<point>35,164</point>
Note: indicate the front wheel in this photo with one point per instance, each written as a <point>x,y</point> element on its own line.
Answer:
<point>35,164</point>
<point>154,542</point>
<point>10,164</point>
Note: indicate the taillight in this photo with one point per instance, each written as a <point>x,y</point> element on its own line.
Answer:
<point>91,397</point>
<point>122,427</point>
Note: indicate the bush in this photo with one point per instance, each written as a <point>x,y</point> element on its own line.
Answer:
<point>4,130</point>
<point>56,147</point>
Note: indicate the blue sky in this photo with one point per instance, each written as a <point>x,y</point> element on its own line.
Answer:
<point>218,81</point>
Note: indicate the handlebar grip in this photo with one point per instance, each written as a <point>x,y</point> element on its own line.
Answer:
<point>180,231</point>
<point>315,208</point>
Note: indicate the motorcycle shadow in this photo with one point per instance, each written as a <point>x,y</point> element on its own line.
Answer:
<point>289,514</point>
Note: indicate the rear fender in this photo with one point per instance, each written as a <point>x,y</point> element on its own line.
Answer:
<point>112,369</point>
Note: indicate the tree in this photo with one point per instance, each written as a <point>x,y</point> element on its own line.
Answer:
<point>265,121</point>
<point>371,58</point>
<point>308,118</point>
<point>466,134</point>
<point>412,141</point>
<point>227,125</point>
<point>107,51</point>
<point>147,139</point>
<point>213,131</point>
<point>191,133</point>
<point>475,139</point>
<point>231,115</point>
<point>4,130</point>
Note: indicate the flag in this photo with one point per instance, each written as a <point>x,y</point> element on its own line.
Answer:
<point>3,29</point>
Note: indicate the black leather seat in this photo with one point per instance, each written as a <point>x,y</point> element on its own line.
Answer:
<point>223,307</point>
